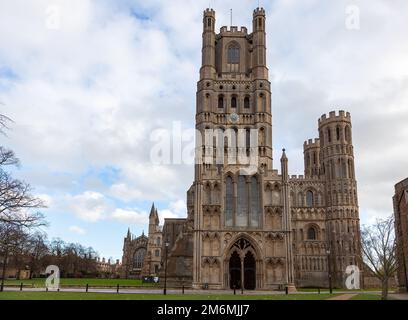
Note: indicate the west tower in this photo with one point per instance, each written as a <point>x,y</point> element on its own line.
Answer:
<point>233,93</point>
<point>233,155</point>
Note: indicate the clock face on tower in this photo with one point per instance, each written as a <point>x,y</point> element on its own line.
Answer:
<point>234,118</point>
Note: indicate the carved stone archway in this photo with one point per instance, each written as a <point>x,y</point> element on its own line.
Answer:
<point>241,265</point>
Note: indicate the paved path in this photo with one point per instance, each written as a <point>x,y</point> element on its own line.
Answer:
<point>151,291</point>
<point>341,295</point>
<point>346,296</point>
<point>399,296</point>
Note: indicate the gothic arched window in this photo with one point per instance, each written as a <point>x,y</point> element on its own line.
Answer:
<point>233,57</point>
<point>309,198</point>
<point>229,201</point>
<point>311,233</point>
<point>242,207</point>
<point>220,101</point>
<point>233,102</point>
<point>233,53</point>
<point>348,134</point>
<point>247,104</point>
<point>138,258</point>
<point>255,208</point>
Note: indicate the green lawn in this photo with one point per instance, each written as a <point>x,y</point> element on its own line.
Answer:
<point>340,290</point>
<point>40,282</point>
<point>112,296</point>
<point>367,296</point>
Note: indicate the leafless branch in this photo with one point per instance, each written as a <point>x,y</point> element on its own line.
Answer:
<point>379,250</point>
<point>3,124</point>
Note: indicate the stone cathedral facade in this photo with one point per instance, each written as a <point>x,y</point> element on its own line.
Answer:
<point>250,224</point>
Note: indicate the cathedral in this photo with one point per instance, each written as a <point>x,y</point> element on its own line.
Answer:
<point>249,225</point>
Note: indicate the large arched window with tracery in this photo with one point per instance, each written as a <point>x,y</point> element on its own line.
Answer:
<point>138,258</point>
<point>244,209</point>
<point>309,198</point>
<point>229,201</point>
<point>233,56</point>
<point>255,207</point>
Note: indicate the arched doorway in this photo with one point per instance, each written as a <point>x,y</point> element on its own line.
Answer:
<point>249,271</point>
<point>242,265</point>
<point>235,271</point>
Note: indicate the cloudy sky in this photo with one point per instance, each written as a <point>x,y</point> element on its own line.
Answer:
<point>87,82</point>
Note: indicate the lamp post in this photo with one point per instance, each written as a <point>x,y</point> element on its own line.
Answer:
<point>165,268</point>
<point>329,271</point>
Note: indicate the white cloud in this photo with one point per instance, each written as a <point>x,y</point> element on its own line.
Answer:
<point>89,206</point>
<point>179,207</point>
<point>47,199</point>
<point>130,216</point>
<point>77,230</point>
<point>167,214</point>
<point>176,209</point>
<point>124,192</point>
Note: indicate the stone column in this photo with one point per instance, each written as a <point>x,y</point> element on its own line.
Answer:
<point>290,281</point>
<point>242,272</point>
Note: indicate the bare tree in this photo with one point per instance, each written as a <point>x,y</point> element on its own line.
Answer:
<point>37,249</point>
<point>379,251</point>
<point>7,157</point>
<point>17,217</point>
<point>16,201</point>
<point>11,236</point>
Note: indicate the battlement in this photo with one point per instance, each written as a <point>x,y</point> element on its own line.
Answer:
<point>209,12</point>
<point>297,177</point>
<point>303,179</point>
<point>233,30</point>
<point>311,143</point>
<point>259,11</point>
<point>334,116</point>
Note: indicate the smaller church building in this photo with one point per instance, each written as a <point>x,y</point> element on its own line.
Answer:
<point>142,255</point>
